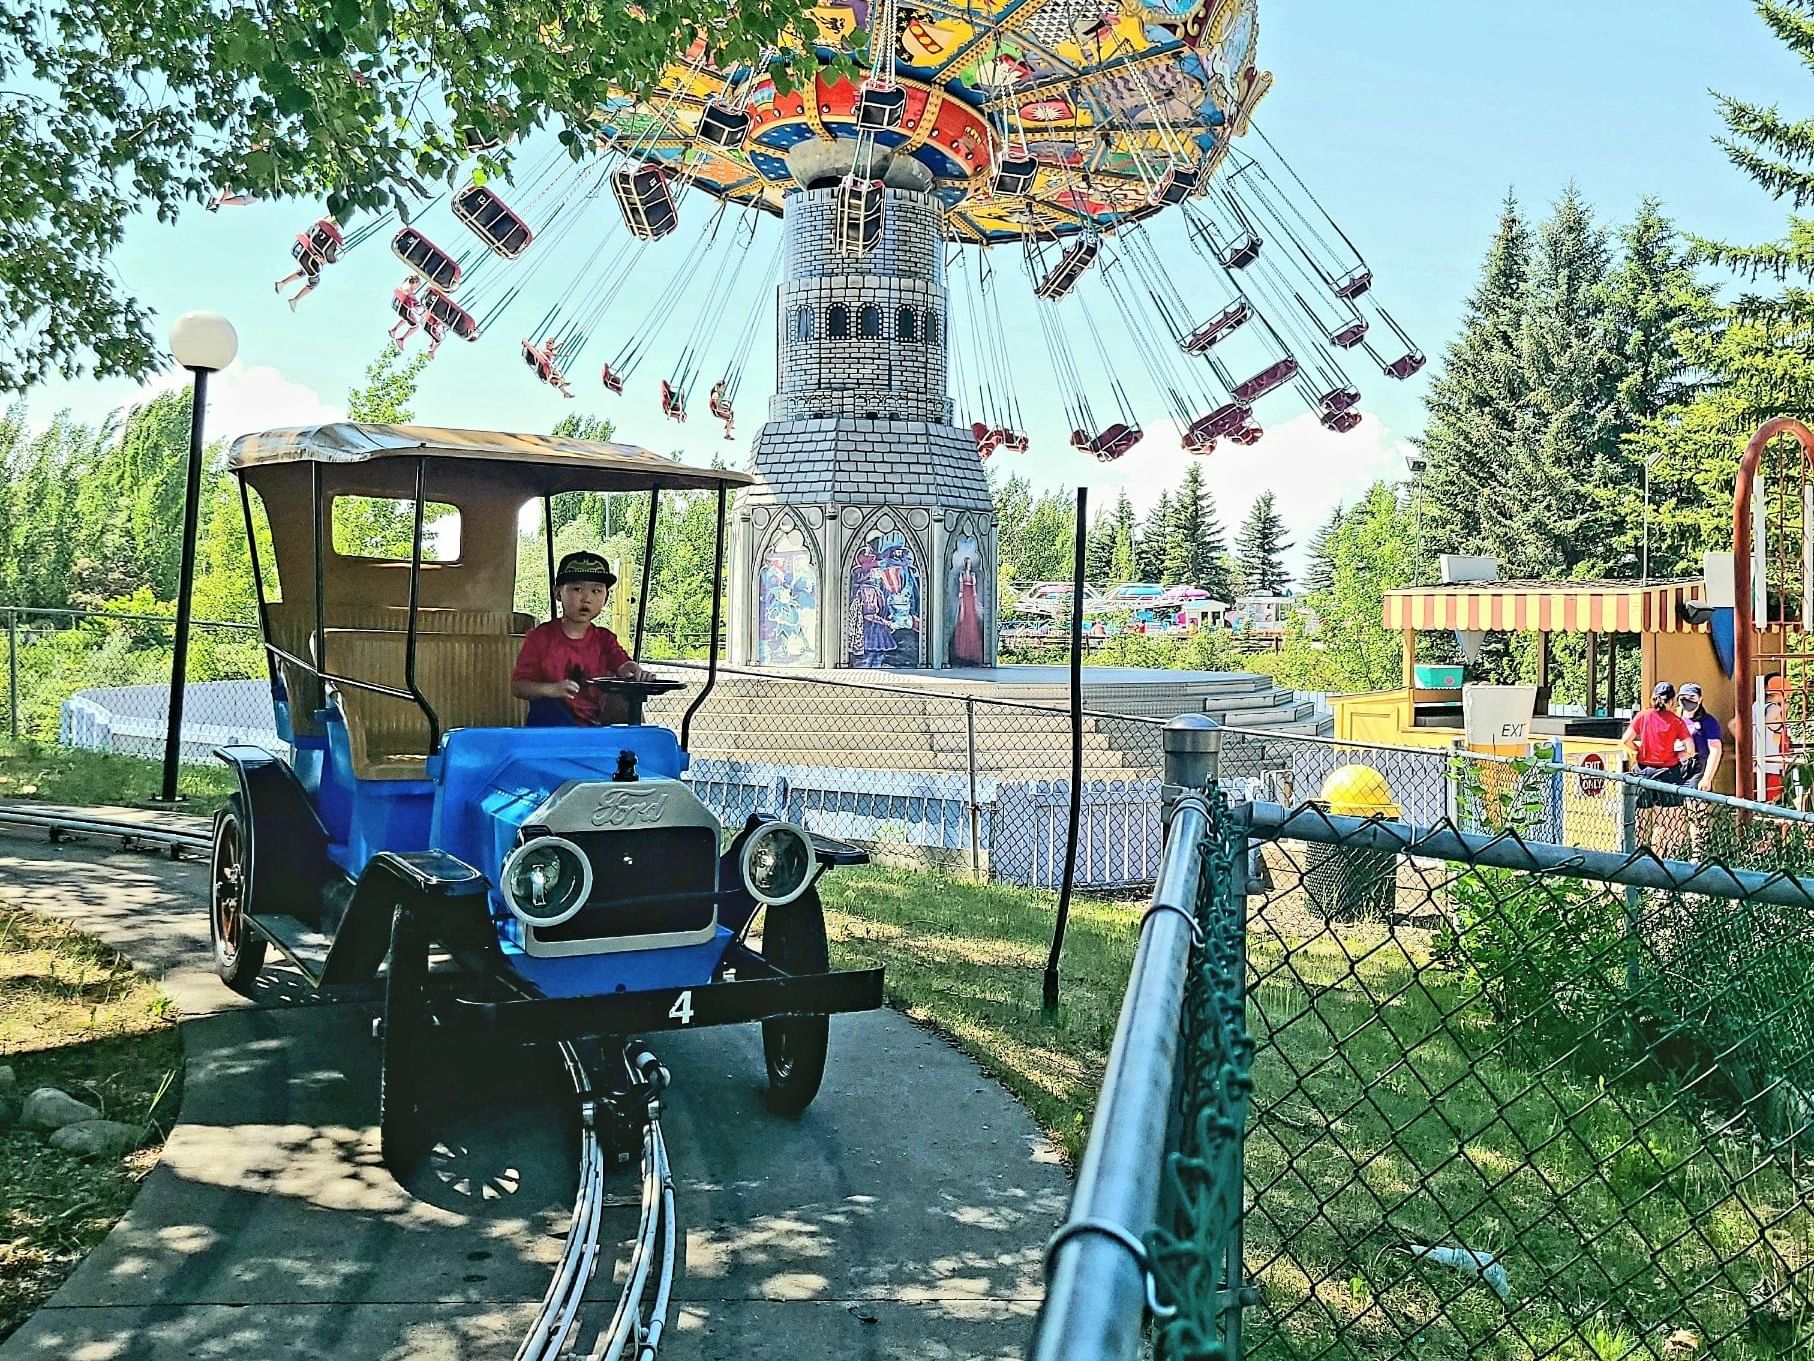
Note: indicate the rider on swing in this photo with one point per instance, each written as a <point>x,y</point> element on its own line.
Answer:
<point>720,403</point>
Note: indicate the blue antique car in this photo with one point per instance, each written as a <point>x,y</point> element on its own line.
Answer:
<point>565,881</point>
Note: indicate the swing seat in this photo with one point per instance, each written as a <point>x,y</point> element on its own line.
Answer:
<point>1340,421</point>
<point>424,257</point>
<point>1242,253</point>
<point>1248,435</point>
<point>544,366</point>
<point>1176,185</point>
<point>1224,420</point>
<point>322,240</point>
<point>443,309</point>
<point>1266,380</point>
<point>612,379</point>
<point>881,105</point>
<point>673,403</point>
<point>1014,441</point>
<point>721,409</point>
<point>645,200</point>
<point>1063,276</point>
<point>407,306</point>
<point>1015,175</point>
<point>859,215</point>
<point>1405,366</point>
<point>1218,328</point>
<point>1110,444</point>
<point>1348,336</point>
<point>1195,442</point>
<point>1340,399</point>
<point>491,218</point>
<point>723,126</point>
<point>1351,286</point>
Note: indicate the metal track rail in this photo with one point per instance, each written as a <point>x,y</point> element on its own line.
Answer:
<point>173,839</point>
<point>652,1255</point>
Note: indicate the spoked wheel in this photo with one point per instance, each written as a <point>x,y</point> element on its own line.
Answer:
<point>403,1133</point>
<point>793,939</point>
<point>239,951</point>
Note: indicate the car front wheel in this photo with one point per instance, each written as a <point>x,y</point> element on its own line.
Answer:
<point>793,940</point>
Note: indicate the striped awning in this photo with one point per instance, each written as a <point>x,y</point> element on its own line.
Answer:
<point>1546,607</point>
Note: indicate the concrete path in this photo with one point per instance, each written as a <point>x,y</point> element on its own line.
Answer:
<point>901,1217</point>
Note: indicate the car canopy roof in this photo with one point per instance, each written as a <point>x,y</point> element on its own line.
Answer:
<point>540,464</point>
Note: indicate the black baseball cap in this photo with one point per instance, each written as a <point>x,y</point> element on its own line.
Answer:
<point>584,567</point>
<point>1662,690</point>
<point>1691,691</point>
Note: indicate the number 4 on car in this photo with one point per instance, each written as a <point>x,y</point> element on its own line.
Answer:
<point>571,877</point>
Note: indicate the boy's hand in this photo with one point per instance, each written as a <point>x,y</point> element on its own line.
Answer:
<point>566,689</point>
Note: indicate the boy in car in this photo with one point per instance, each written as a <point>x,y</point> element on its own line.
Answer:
<point>561,656</point>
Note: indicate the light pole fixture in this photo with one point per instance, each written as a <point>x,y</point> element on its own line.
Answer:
<point>203,343</point>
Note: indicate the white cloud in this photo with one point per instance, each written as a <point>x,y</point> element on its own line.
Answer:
<point>243,398</point>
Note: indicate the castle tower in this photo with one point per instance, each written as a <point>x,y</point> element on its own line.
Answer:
<point>868,539</point>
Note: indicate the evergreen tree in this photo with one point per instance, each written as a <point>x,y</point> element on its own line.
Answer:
<point>1099,551</point>
<point>1155,535</point>
<point>1121,559</point>
<point>1564,435</point>
<point>1196,553</point>
<point>366,526</point>
<point>1260,548</point>
<point>1319,574</point>
<point>1474,400</point>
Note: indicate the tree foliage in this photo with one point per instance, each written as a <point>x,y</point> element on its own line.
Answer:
<point>116,106</point>
<point>1260,548</point>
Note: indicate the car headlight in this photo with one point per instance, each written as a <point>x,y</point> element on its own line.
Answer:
<point>777,863</point>
<point>546,881</point>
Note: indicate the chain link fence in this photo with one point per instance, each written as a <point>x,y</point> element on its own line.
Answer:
<point>1455,1091</point>
<point>921,778</point>
<point>101,682</point>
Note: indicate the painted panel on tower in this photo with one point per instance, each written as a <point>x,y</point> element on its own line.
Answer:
<point>883,618</point>
<point>788,604</point>
<point>966,589</point>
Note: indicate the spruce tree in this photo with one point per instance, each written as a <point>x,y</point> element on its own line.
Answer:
<point>1474,400</point>
<point>1196,553</point>
<point>1126,531</point>
<point>1319,574</point>
<point>1260,548</point>
<point>1099,551</point>
<point>1155,535</point>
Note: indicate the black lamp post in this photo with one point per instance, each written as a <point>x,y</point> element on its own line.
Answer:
<point>203,343</point>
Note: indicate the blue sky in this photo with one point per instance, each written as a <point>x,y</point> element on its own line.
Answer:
<point>1410,119</point>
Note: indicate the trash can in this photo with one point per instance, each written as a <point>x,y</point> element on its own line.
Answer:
<point>1352,883</point>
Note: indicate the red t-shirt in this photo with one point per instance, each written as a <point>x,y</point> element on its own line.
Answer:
<point>550,655</point>
<point>1657,731</point>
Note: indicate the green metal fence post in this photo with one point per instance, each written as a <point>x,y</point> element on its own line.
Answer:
<point>1634,896</point>
<point>976,820</point>
<point>12,673</point>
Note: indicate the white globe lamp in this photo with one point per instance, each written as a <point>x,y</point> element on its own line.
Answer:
<point>203,341</point>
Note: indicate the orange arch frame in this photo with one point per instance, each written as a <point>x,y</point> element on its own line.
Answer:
<point>1744,625</point>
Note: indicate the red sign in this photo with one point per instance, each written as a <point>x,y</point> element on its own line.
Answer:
<point>1592,786</point>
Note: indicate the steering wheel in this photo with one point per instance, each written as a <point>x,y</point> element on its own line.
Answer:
<point>634,689</point>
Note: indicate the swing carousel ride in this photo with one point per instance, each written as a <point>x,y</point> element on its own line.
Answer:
<point>1100,153</point>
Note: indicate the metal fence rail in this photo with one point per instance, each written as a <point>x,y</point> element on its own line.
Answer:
<point>1507,1099</point>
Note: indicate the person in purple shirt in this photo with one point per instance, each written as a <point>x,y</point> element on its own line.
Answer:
<point>1709,742</point>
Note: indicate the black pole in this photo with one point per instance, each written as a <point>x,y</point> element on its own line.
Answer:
<point>258,590</point>
<point>711,673</point>
<point>648,563</point>
<point>415,601</point>
<point>185,587</point>
<point>1070,845</point>
<point>554,599</point>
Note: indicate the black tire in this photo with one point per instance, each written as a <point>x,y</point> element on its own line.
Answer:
<point>403,1133</point>
<point>239,951</point>
<point>793,939</point>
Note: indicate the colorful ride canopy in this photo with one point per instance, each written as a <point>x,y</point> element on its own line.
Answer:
<point>1107,99</point>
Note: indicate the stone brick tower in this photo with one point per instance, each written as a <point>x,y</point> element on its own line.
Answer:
<point>868,539</point>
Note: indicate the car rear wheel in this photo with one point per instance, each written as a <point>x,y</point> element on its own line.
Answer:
<point>793,940</point>
<point>239,951</point>
<point>403,1134</point>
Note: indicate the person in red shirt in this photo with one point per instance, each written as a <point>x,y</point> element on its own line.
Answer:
<point>559,657</point>
<point>1662,747</point>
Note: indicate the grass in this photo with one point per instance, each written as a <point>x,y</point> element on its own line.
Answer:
<point>1386,1112</point>
<point>74,1015</point>
<point>53,774</point>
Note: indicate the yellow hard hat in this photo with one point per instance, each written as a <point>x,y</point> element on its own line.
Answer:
<point>1359,792</point>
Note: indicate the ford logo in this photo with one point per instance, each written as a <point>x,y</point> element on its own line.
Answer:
<point>618,808</point>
